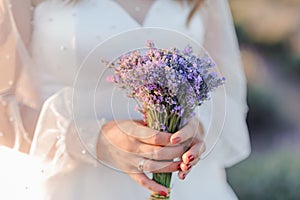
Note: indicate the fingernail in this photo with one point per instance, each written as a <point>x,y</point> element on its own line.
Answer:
<point>191,158</point>
<point>178,167</point>
<point>189,167</point>
<point>183,176</point>
<point>176,140</point>
<point>144,123</point>
<point>163,193</point>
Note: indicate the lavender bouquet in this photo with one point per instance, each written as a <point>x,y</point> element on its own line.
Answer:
<point>169,84</point>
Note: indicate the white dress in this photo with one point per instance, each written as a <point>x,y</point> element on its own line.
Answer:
<point>63,36</point>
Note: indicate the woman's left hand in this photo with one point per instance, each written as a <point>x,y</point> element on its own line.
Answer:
<point>193,134</point>
<point>192,131</point>
<point>124,144</point>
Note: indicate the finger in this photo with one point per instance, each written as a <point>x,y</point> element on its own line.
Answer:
<point>182,175</point>
<point>162,153</point>
<point>161,166</point>
<point>185,167</point>
<point>192,156</point>
<point>138,130</point>
<point>187,132</point>
<point>144,181</point>
<point>159,139</point>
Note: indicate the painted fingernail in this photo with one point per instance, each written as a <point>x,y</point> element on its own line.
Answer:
<point>163,193</point>
<point>144,123</point>
<point>189,167</point>
<point>191,158</point>
<point>178,167</point>
<point>183,176</point>
<point>176,140</point>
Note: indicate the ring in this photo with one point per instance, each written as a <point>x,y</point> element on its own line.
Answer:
<point>141,165</point>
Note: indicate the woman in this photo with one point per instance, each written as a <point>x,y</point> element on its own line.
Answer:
<point>60,37</point>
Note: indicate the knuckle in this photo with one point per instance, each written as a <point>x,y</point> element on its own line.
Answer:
<point>149,166</point>
<point>168,153</point>
<point>151,154</point>
<point>156,138</point>
<point>143,182</point>
<point>137,149</point>
<point>159,153</point>
<point>175,152</point>
<point>156,154</point>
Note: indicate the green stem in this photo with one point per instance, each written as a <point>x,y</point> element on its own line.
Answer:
<point>172,122</point>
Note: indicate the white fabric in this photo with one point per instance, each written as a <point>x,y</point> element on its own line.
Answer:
<point>221,43</point>
<point>62,37</point>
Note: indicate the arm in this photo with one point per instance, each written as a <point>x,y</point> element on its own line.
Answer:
<point>15,32</point>
<point>60,139</point>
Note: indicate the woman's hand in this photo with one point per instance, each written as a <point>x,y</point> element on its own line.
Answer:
<point>193,132</point>
<point>131,147</point>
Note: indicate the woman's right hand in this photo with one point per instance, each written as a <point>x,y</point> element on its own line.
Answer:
<point>126,145</point>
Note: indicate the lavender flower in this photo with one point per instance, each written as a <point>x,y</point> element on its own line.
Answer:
<point>167,79</point>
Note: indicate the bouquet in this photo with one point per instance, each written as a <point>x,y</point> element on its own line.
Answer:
<point>169,84</point>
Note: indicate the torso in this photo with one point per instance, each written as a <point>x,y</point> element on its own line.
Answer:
<point>63,35</point>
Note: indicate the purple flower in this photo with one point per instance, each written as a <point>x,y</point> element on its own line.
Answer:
<point>169,82</point>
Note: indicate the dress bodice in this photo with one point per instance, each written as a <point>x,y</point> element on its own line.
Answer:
<point>64,34</point>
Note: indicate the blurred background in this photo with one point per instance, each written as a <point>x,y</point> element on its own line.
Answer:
<point>269,36</point>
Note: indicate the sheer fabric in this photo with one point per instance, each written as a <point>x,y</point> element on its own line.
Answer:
<point>56,141</point>
<point>17,89</point>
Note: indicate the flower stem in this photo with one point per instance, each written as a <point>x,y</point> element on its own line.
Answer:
<point>154,120</point>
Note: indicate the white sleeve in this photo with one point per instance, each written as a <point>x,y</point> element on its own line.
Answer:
<point>229,107</point>
<point>4,22</point>
<point>17,93</point>
<point>58,137</point>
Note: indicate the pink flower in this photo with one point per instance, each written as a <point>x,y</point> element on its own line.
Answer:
<point>110,79</point>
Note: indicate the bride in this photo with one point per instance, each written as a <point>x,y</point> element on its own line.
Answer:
<point>42,46</point>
